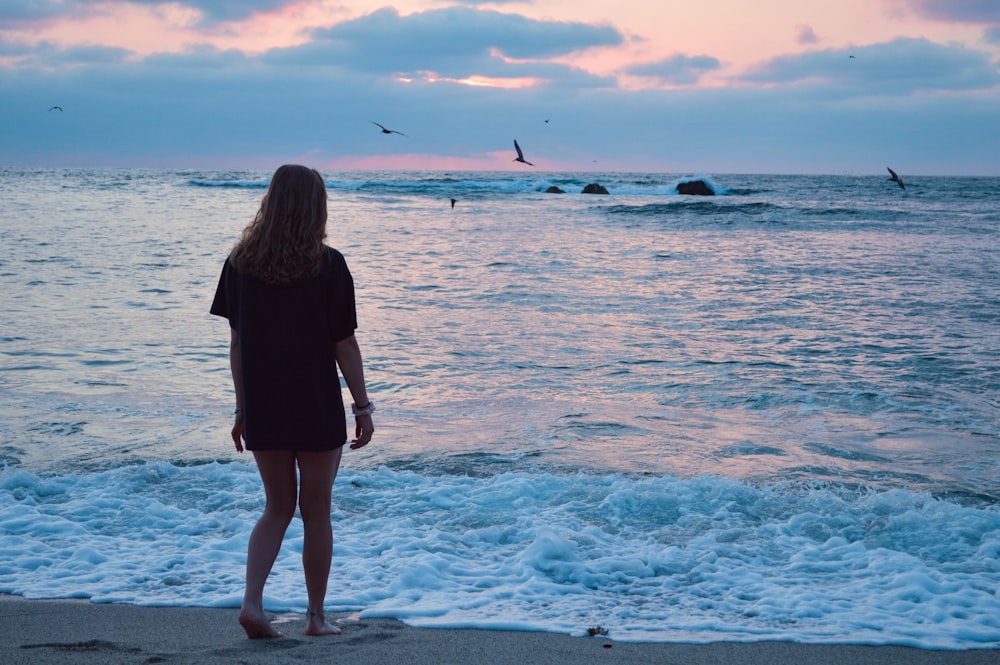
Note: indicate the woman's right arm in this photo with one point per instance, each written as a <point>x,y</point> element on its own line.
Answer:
<point>236,366</point>
<point>353,370</point>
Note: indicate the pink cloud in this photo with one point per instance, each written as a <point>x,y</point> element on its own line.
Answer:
<point>804,34</point>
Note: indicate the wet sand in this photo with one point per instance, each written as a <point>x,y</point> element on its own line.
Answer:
<point>43,632</point>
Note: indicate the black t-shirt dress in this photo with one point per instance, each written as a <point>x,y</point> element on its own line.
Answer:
<point>291,388</point>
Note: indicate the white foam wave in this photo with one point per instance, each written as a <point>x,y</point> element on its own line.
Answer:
<point>431,184</point>
<point>659,559</point>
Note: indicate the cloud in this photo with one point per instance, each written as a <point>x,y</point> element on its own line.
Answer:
<point>211,102</point>
<point>226,10</point>
<point>454,43</point>
<point>226,108</point>
<point>213,11</point>
<point>900,67</point>
<point>12,48</point>
<point>81,55</point>
<point>27,10</point>
<point>959,11</point>
<point>199,57</point>
<point>678,69</point>
<point>479,3</point>
<point>804,34</point>
<point>46,54</point>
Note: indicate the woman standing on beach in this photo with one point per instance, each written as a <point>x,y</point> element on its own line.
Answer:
<point>289,299</point>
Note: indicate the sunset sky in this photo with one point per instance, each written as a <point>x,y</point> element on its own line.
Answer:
<point>716,86</point>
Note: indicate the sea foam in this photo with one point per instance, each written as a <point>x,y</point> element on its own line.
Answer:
<point>648,558</point>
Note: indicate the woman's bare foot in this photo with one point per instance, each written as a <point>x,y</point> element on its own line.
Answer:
<point>257,626</point>
<point>317,626</point>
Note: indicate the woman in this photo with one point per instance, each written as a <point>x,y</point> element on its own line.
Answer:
<point>290,303</point>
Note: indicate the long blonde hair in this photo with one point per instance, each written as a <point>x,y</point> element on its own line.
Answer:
<point>284,242</point>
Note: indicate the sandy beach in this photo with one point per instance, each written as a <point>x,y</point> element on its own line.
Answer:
<point>43,632</point>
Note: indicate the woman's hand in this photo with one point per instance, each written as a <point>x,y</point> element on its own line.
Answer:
<point>363,430</point>
<point>238,429</point>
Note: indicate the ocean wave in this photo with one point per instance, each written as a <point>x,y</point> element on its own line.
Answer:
<point>649,558</point>
<point>229,184</point>
<point>466,184</point>
<point>722,210</point>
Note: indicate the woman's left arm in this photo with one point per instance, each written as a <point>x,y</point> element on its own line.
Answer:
<point>352,368</point>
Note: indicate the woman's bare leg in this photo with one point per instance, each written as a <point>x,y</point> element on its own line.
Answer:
<point>317,472</point>
<point>277,471</point>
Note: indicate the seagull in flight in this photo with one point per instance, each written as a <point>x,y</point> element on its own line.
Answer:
<point>520,155</point>
<point>56,108</point>
<point>895,178</point>
<point>386,131</point>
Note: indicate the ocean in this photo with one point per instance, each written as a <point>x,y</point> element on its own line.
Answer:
<point>769,414</point>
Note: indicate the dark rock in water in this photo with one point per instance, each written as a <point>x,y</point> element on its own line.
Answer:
<point>594,188</point>
<point>554,190</point>
<point>695,187</point>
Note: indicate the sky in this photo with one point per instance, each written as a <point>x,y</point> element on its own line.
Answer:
<point>669,86</point>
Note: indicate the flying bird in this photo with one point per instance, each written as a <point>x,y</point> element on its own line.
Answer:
<point>387,131</point>
<point>520,155</point>
<point>895,178</point>
<point>56,108</point>
<point>851,57</point>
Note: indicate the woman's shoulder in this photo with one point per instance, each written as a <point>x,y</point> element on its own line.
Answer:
<point>231,259</point>
<point>334,257</point>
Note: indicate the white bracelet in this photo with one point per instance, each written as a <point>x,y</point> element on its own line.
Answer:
<point>367,411</point>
